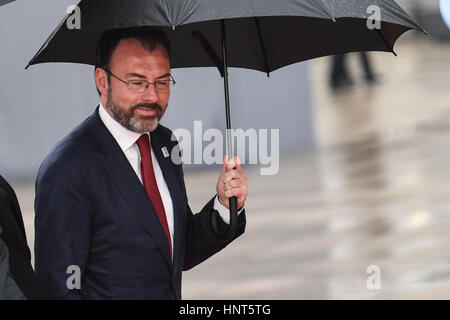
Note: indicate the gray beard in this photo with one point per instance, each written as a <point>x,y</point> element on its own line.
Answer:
<point>127,118</point>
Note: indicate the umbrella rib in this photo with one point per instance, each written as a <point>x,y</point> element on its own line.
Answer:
<point>385,42</point>
<point>209,51</point>
<point>32,61</point>
<point>261,42</point>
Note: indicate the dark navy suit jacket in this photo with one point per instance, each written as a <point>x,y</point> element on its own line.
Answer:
<point>92,212</point>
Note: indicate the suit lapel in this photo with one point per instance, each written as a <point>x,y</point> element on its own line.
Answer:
<point>123,176</point>
<point>159,142</point>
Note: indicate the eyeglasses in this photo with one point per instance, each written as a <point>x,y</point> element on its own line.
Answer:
<point>139,86</point>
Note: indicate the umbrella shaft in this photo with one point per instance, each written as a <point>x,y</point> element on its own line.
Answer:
<point>230,149</point>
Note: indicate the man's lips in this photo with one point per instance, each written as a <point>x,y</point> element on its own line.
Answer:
<point>147,111</point>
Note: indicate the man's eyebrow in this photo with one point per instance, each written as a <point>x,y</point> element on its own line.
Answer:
<point>164,75</point>
<point>137,75</point>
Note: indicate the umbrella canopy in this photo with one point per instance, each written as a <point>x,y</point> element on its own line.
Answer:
<point>263,35</point>
<point>2,2</point>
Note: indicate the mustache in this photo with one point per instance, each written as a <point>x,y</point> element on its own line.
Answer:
<point>150,106</point>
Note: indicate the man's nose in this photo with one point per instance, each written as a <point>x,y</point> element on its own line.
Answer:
<point>150,94</point>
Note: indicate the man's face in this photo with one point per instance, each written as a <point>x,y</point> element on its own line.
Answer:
<point>139,112</point>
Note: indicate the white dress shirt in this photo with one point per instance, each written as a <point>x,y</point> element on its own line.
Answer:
<point>127,142</point>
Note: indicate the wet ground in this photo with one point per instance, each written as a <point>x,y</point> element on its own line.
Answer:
<point>375,192</point>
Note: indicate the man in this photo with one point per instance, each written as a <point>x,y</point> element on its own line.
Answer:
<point>112,216</point>
<point>17,279</point>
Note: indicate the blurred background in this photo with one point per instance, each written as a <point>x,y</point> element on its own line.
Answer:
<point>364,174</point>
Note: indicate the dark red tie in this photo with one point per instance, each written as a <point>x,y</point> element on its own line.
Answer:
<point>149,181</point>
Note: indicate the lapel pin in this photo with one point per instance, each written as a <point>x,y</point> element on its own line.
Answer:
<point>165,152</point>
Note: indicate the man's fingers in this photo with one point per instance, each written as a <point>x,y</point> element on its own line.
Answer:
<point>233,180</point>
<point>224,165</point>
<point>235,192</point>
<point>235,183</point>
<point>232,175</point>
<point>238,163</point>
<point>229,176</point>
<point>240,185</point>
<point>233,163</point>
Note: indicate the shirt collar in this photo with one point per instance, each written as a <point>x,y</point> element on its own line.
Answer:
<point>124,137</point>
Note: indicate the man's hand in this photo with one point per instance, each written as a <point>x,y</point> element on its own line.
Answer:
<point>232,182</point>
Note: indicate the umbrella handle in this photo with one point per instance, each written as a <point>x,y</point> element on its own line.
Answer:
<point>233,217</point>
<point>232,227</point>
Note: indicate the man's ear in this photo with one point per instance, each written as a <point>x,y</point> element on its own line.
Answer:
<point>101,80</point>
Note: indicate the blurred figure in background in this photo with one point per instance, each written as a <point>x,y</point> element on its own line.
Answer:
<point>340,77</point>
<point>17,280</point>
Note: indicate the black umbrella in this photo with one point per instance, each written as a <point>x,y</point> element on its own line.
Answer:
<point>263,35</point>
<point>2,2</point>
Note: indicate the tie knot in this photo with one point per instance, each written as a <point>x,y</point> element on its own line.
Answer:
<point>144,145</point>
